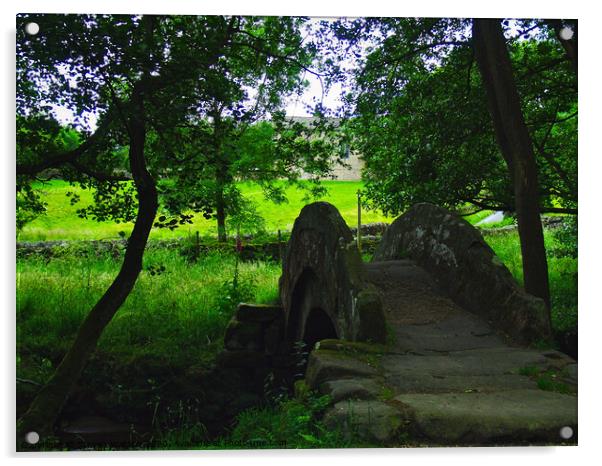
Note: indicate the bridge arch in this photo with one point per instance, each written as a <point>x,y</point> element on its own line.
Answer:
<point>321,287</point>
<point>310,316</point>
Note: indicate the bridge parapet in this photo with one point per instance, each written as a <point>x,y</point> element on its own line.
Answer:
<point>455,254</point>
<point>321,287</point>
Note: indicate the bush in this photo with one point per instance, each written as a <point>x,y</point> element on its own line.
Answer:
<point>235,291</point>
<point>292,423</point>
<point>565,244</point>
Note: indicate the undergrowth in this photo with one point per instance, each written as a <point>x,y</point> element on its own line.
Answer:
<point>562,272</point>
<point>176,311</point>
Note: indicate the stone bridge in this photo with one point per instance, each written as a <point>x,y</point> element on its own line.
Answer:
<point>432,342</point>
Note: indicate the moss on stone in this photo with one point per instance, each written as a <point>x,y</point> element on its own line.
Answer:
<point>352,346</point>
<point>372,318</point>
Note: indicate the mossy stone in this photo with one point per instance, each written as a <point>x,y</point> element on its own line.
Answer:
<point>373,326</point>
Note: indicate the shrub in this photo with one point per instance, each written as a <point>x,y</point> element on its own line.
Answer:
<point>292,423</point>
<point>565,244</point>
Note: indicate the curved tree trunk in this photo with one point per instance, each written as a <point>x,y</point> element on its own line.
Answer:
<point>516,147</point>
<point>49,402</point>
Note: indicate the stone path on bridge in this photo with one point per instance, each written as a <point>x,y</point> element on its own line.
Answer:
<point>444,377</point>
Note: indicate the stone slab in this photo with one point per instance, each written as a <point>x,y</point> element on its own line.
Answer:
<point>427,383</point>
<point>326,365</point>
<point>373,420</point>
<point>258,312</point>
<point>348,389</point>
<point>485,418</point>
<point>488,361</point>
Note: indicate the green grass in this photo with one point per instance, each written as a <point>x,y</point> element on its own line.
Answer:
<point>562,272</point>
<point>477,217</point>
<point>291,423</point>
<point>548,380</point>
<point>176,319</point>
<point>180,314</point>
<point>61,220</point>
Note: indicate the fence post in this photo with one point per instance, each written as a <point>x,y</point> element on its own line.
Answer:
<point>280,245</point>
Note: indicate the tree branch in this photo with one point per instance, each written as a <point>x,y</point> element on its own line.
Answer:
<point>51,160</point>
<point>570,45</point>
<point>98,175</point>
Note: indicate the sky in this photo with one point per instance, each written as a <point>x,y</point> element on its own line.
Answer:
<point>296,106</point>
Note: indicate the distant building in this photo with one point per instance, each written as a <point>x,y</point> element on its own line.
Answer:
<point>354,171</point>
<point>354,161</point>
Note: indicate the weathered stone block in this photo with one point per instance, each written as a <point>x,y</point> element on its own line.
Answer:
<point>355,388</point>
<point>479,418</point>
<point>258,312</point>
<point>372,325</point>
<point>244,336</point>
<point>370,420</point>
<point>326,365</point>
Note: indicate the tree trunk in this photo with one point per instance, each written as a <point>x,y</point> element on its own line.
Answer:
<point>49,402</point>
<point>220,175</point>
<point>220,207</point>
<point>516,147</point>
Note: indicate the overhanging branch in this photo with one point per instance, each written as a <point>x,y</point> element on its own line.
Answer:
<point>54,160</point>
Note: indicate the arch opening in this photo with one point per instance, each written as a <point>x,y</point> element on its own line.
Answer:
<point>318,326</point>
<point>299,303</point>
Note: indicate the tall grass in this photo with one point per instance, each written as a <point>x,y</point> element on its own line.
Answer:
<point>179,313</point>
<point>562,273</point>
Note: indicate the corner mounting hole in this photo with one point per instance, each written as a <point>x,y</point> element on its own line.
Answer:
<point>32,28</point>
<point>566,432</point>
<point>32,438</point>
<point>566,33</point>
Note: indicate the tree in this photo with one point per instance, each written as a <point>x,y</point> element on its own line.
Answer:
<point>229,138</point>
<point>136,75</point>
<point>516,147</point>
<point>214,155</point>
<point>50,400</point>
<point>422,120</point>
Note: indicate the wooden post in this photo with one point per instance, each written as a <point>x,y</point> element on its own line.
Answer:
<point>280,245</point>
<point>197,249</point>
<point>359,221</point>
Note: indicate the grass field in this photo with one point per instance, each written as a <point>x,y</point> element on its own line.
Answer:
<point>61,220</point>
<point>184,307</point>
<point>562,272</point>
<point>181,311</point>
<point>174,321</point>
